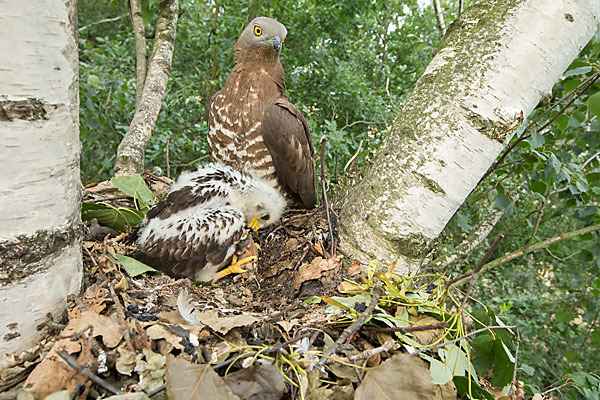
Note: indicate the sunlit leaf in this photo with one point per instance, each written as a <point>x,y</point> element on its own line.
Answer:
<point>120,218</point>
<point>132,266</point>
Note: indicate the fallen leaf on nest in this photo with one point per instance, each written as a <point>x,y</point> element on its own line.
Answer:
<point>223,325</point>
<point>102,325</point>
<point>425,338</point>
<point>195,381</point>
<point>382,381</point>
<point>262,381</point>
<point>315,269</point>
<point>354,268</point>
<point>349,287</point>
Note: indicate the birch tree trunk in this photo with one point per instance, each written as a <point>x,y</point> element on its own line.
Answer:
<point>130,154</point>
<point>497,61</point>
<point>40,189</point>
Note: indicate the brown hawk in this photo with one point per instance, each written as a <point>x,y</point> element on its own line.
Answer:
<point>251,124</point>
<point>193,230</point>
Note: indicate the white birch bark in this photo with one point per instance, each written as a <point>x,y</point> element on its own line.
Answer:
<point>40,189</point>
<point>495,64</point>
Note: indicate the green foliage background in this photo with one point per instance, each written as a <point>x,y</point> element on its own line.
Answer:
<point>349,66</point>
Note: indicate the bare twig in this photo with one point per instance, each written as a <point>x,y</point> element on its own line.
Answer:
<point>167,155</point>
<point>83,371</point>
<point>514,379</point>
<point>353,157</point>
<point>137,22</point>
<point>356,325</point>
<point>121,315</point>
<point>406,329</point>
<point>538,219</point>
<point>468,335</point>
<point>477,269</point>
<point>324,190</point>
<point>568,383</point>
<point>530,248</point>
<point>439,16</point>
<point>589,160</point>
<point>587,83</point>
<point>364,355</point>
<point>361,122</point>
<point>102,21</point>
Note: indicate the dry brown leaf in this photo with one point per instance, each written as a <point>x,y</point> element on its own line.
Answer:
<point>314,270</point>
<point>425,338</point>
<point>223,325</point>
<point>354,268</point>
<point>383,382</point>
<point>156,332</point>
<point>187,381</point>
<point>53,373</point>
<point>103,326</point>
<point>263,381</point>
<point>349,287</point>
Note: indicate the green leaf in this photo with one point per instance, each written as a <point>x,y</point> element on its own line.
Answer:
<point>462,221</point>
<point>571,356</point>
<point>133,266</point>
<point>136,187</point>
<point>503,364</point>
<point>595,335</point>
<point>502,201</point>
<point>313,300</point>
<point>536,140</point>
<point>562,121</point>
<point>538,187</point>
<point>116,218</point>
<point>93,80</point>
<point>593,103</point>
<point>529,370</point>
<point>563,316</point>
<point>482,353</point>
<point>578,71</point>
<point>463,384</point>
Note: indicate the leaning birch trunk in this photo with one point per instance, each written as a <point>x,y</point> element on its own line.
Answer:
<point>40,189</point>
<point>130,154</point>
<point>495,64</point>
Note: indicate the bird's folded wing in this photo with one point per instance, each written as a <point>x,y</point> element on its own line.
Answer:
<point>286,136</point>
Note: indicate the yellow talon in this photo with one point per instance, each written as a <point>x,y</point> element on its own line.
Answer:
<point>236,266</point>
<point>253,224</point>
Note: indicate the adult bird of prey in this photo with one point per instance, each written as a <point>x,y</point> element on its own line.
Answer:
<point>194,229</point>
<point>251,124</point>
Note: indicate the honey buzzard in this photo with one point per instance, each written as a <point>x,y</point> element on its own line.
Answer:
<point>194,229</point>
<point>251,124</point>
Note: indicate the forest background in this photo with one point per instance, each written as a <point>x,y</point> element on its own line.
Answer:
<point>349,67</point>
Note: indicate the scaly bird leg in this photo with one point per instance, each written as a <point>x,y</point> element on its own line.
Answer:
<point>236,266</point>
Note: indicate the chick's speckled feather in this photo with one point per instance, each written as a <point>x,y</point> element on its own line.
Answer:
<point>194,228</point>
<point>251,124</point>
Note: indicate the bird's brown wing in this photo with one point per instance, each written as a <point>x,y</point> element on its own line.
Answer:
<point>286,136</point>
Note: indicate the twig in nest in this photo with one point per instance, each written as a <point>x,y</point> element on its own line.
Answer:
<point>271,349</point>
<point>324,190</point>
<point>354,156</point>
<point>514,379</point>
<point>365,355</point>
<point>121,315</point>
<point>167,155</point>
<point>83,371</point>
<point>405,329</point>
<point>437,346</point>
<point>352,329</point>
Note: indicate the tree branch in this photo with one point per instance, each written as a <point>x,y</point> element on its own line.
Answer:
<point>530,248</point>
<point>130,154</point>
<point>137,22</point>
<point>439,16</point>
<point>102,21</point>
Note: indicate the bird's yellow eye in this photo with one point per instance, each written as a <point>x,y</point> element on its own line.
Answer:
<point>257,30</point>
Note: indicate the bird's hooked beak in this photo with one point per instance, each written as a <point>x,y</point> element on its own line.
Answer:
<point>253,224</point>
<point>275,41</point>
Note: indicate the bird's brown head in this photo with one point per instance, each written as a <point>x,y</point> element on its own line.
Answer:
<point>262,37</point>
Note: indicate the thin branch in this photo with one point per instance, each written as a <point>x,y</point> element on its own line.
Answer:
<point>137,22</point>
<point>102,21</point>
<point>354,156</point>
<point>406,329</point>
<point>356,325</point>
<point>167,155</point>
<point>324,190</point>
<point>366,354</point>
<point>530,248</point>
<point>514,378</point>
<point>589,160</point>
<point>121,316</point>
<point>587,83</point>
<point>439,16</point>
<point>468,335</point>
<point>538,219</point>
<point>477,269</point>
<point>83,371</point>
<point>360,122</point>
